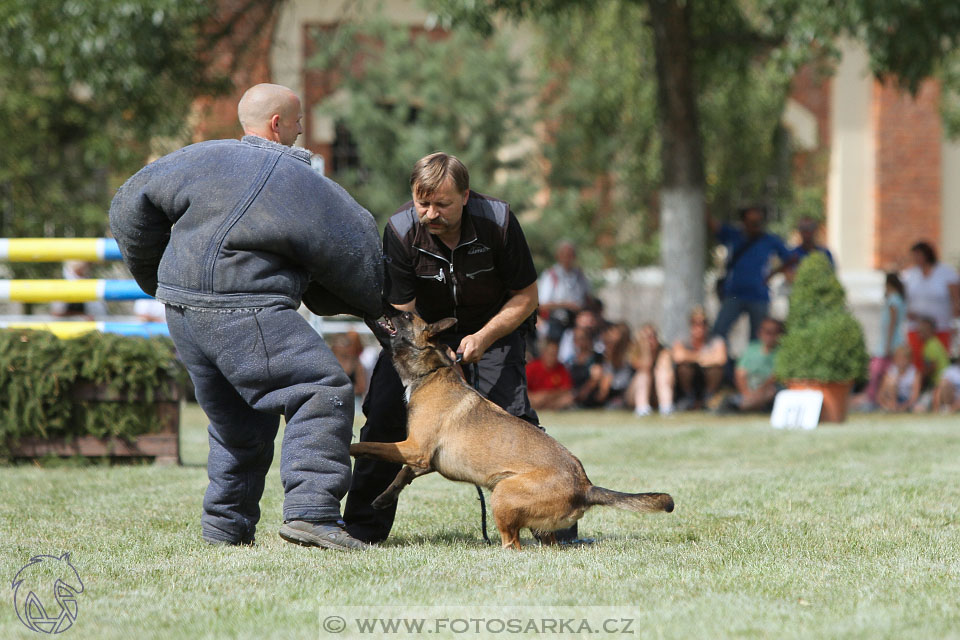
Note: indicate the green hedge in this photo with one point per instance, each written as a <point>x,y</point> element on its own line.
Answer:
<point>38,373</point>
<point>824,341</point>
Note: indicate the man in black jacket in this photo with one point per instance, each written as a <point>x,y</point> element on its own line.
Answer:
<point>231,235</point>
<point>454,253</point>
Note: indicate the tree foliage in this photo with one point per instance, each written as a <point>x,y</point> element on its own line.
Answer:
<point>85,87</point>
<point>403,94</point>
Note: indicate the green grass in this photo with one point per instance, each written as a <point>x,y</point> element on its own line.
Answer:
<point>846,531</point>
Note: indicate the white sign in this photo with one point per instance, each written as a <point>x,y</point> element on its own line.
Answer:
<point>796,409</point>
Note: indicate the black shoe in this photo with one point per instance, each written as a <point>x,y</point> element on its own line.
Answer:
<point>329,535</point>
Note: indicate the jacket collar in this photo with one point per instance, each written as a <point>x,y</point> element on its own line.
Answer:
<point>429,242</point>
<point>297,152</point>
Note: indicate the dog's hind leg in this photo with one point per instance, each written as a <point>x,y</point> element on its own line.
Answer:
<point>406,475</point>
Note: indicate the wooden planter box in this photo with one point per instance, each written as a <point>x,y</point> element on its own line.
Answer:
<point>162,446</point>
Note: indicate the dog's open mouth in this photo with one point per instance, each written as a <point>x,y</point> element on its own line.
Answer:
<point>387,327</point>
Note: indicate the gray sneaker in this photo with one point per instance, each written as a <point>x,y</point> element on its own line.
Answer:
<point>329,535</point>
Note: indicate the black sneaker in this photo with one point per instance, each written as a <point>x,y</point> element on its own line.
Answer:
<point>329,535</point>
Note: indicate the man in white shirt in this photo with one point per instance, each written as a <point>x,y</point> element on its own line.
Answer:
<point>933,291</point>
<point>564,291</point>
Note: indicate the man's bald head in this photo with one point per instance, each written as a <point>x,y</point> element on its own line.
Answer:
<point>271,111</point>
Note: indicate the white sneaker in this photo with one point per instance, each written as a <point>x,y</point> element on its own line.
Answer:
<point>642,412</point>
<point>666,411</point>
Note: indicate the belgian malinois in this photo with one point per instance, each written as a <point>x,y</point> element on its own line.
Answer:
<point>452,429</point>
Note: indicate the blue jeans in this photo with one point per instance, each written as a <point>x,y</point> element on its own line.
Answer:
<point>249,367</point>
<point>732,308</point>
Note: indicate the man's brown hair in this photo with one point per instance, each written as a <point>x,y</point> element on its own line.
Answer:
<point>431,171</point>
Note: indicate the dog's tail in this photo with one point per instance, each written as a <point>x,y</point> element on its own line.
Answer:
<point>642,502</point>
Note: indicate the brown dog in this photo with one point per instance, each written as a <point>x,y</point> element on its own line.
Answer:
<point>452,429</point>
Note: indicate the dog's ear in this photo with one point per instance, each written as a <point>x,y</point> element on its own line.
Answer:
<point>440,326</point>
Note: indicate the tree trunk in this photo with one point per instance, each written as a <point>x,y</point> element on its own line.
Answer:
<point>682,223</point>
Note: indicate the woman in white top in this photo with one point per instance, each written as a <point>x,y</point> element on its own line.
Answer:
<point>933,290</point>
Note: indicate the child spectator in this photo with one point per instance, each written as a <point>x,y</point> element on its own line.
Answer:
<point>946,395</point>
<point>549,385</point>
<point>935,356</point>
<point>652,385</point>
<point>753,375</point>
<point>900,388</point>
<point>699,363</point>
<point>892,335</point>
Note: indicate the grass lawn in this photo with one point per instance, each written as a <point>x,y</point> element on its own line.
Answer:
<point>845,531</point>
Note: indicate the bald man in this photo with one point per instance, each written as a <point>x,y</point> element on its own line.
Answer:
<point>271,111</point>
<point>231,235</point>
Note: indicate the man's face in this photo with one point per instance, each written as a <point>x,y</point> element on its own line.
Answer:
<point>566,256</point>
<point>289,128</point>
<point>770,335</point>
<point>753,221</point>
<point>440,212</point>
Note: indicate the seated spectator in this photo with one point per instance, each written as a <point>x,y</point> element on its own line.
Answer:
<point>946,395</point>
<point>933,291</point>
<point>699,363</point>
<point>347,348</point>
<point>900,388</point>
<point>652,385</point>
<point>563,291</point>
<point>549,384</point>
<point>589,320</point>
<point>584,365</point>
<point>753,375</point>
<point>609,383</point>
<point>934,354</point>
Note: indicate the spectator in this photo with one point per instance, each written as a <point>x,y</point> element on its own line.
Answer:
<point>900,388</point>
<point>892,322</point>
<point>753,376</point>
<point>699,363</point>
<point>585,365</point>
<point>616,370</point>
<point>946,395</point>
<point>744,287</point>
<point>592,323</point>
<point>935,356</point>
<point>652,385</point>
<point>549,384</point>
<point>564,291</point>
<point>150,310</point>
<point>807,229</point>
<point>78,270</point>
<point>933,290</point>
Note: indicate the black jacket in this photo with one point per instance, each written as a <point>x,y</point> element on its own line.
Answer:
<point>471,282</point>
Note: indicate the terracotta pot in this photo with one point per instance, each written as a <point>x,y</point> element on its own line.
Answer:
<point>836,397</point>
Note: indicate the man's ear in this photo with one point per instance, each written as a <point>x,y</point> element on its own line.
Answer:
<point>440,326</point>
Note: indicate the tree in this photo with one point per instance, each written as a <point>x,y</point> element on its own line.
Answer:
<point>398,95</point>
<point>86,89</point>
<point>692,38</point>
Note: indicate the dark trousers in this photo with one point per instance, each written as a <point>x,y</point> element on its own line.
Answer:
<point>500,376</point>
<point>250,367</point>
<point>730,311</point>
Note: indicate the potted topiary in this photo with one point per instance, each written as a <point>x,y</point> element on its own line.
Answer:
<point>824,347</point>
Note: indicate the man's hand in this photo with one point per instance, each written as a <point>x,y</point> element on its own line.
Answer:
<point>472,347</point>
